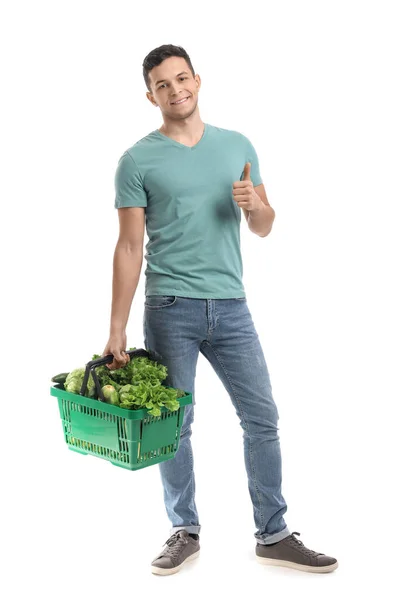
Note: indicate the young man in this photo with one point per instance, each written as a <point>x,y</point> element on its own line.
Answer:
<point>188,182</point>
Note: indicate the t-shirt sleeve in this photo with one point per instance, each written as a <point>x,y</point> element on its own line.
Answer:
<point>252,158</point>
<point>128,183</point>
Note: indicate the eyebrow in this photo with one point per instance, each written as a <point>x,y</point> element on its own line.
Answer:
<point>161,80</point>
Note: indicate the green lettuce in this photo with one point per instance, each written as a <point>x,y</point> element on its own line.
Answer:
<point>139,385</point>
<point>74,381</point>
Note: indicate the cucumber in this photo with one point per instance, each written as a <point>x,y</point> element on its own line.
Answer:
<point>61,378</point>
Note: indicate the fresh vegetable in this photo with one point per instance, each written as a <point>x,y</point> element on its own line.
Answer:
<point>135,386</point>
<point>139,385</point>
<point>61,378</point>
<point>74,381</point>
<point>110,394</point>
<point>91,391</point>
<point>137,369</point>
<point>149,396</point>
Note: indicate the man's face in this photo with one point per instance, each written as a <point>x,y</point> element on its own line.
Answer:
<point>170,81</point>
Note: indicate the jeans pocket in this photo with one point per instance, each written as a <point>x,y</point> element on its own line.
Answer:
<point>156,302</point>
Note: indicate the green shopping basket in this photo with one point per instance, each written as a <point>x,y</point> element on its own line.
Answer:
<point>132,439</point>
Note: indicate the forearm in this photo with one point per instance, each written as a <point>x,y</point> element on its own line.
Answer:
<point>127,265</point>
<point>260,221</point>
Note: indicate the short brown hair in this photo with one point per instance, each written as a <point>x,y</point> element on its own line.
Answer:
<point>156,56</point>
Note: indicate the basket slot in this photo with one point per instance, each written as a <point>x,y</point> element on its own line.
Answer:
<point>122,434</point>
<point>152,454</point>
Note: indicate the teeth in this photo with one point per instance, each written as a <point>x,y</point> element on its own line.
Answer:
<point>180,101</point>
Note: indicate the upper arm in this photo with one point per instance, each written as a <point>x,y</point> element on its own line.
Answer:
<point>131,202</point>
<point>132,222</point>
<point>128,183</point>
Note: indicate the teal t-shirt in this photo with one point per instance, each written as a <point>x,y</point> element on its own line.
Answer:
<point>192,219</point>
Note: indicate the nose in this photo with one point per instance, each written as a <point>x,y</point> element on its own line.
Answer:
<point>175,92</point>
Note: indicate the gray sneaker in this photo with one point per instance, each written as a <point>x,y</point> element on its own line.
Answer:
<point>178,549</point>
<point>291,552</point>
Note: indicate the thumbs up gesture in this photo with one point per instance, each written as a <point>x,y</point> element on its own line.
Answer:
<point>244,193</point>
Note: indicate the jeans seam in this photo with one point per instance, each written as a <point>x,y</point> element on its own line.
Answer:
<point>191,473</point>
<point>246,425</point>
<point>151,307</point>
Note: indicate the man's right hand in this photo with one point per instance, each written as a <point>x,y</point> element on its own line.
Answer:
<point>116,346</point>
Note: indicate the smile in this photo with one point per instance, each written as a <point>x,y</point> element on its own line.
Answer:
<point>181,101</point>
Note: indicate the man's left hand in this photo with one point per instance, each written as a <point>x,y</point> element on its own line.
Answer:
<point>244,193</point>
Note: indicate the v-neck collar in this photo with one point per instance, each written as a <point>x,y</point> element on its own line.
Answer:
<point>190,148</point>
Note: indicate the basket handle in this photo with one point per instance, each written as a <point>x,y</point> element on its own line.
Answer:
<point>98,362</point>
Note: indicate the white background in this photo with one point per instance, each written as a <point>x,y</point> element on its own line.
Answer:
<point>311,85</point>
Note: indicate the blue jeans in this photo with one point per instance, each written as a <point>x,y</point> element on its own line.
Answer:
<point>176,329</point>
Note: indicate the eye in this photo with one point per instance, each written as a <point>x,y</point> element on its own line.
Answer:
<point>164,83</point>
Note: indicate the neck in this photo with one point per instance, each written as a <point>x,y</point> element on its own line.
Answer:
<point>189,129</point>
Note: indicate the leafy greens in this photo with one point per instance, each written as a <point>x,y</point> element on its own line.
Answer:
<point>139,385</point>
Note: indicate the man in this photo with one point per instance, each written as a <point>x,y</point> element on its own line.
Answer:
<point>188,181</point>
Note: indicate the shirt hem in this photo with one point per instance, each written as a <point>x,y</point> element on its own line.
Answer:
<point>198,295</point>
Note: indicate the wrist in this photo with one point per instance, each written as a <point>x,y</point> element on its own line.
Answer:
<point>117,329</point>
<point>259,208</point>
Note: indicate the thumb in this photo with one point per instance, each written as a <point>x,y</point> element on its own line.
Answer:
<point>246,172</point>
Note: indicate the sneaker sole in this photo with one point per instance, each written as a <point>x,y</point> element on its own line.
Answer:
<point>162,571</point>
<point>285,563</point>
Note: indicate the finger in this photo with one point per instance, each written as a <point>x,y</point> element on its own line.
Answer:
<point>246,172</point>
<point>242,184</point>
<point>121,359</point>
<point>242,200</point>
<point>113,364</point>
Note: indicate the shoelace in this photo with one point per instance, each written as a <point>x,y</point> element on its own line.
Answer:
<point>293,541</point>
<point>174,543</point>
